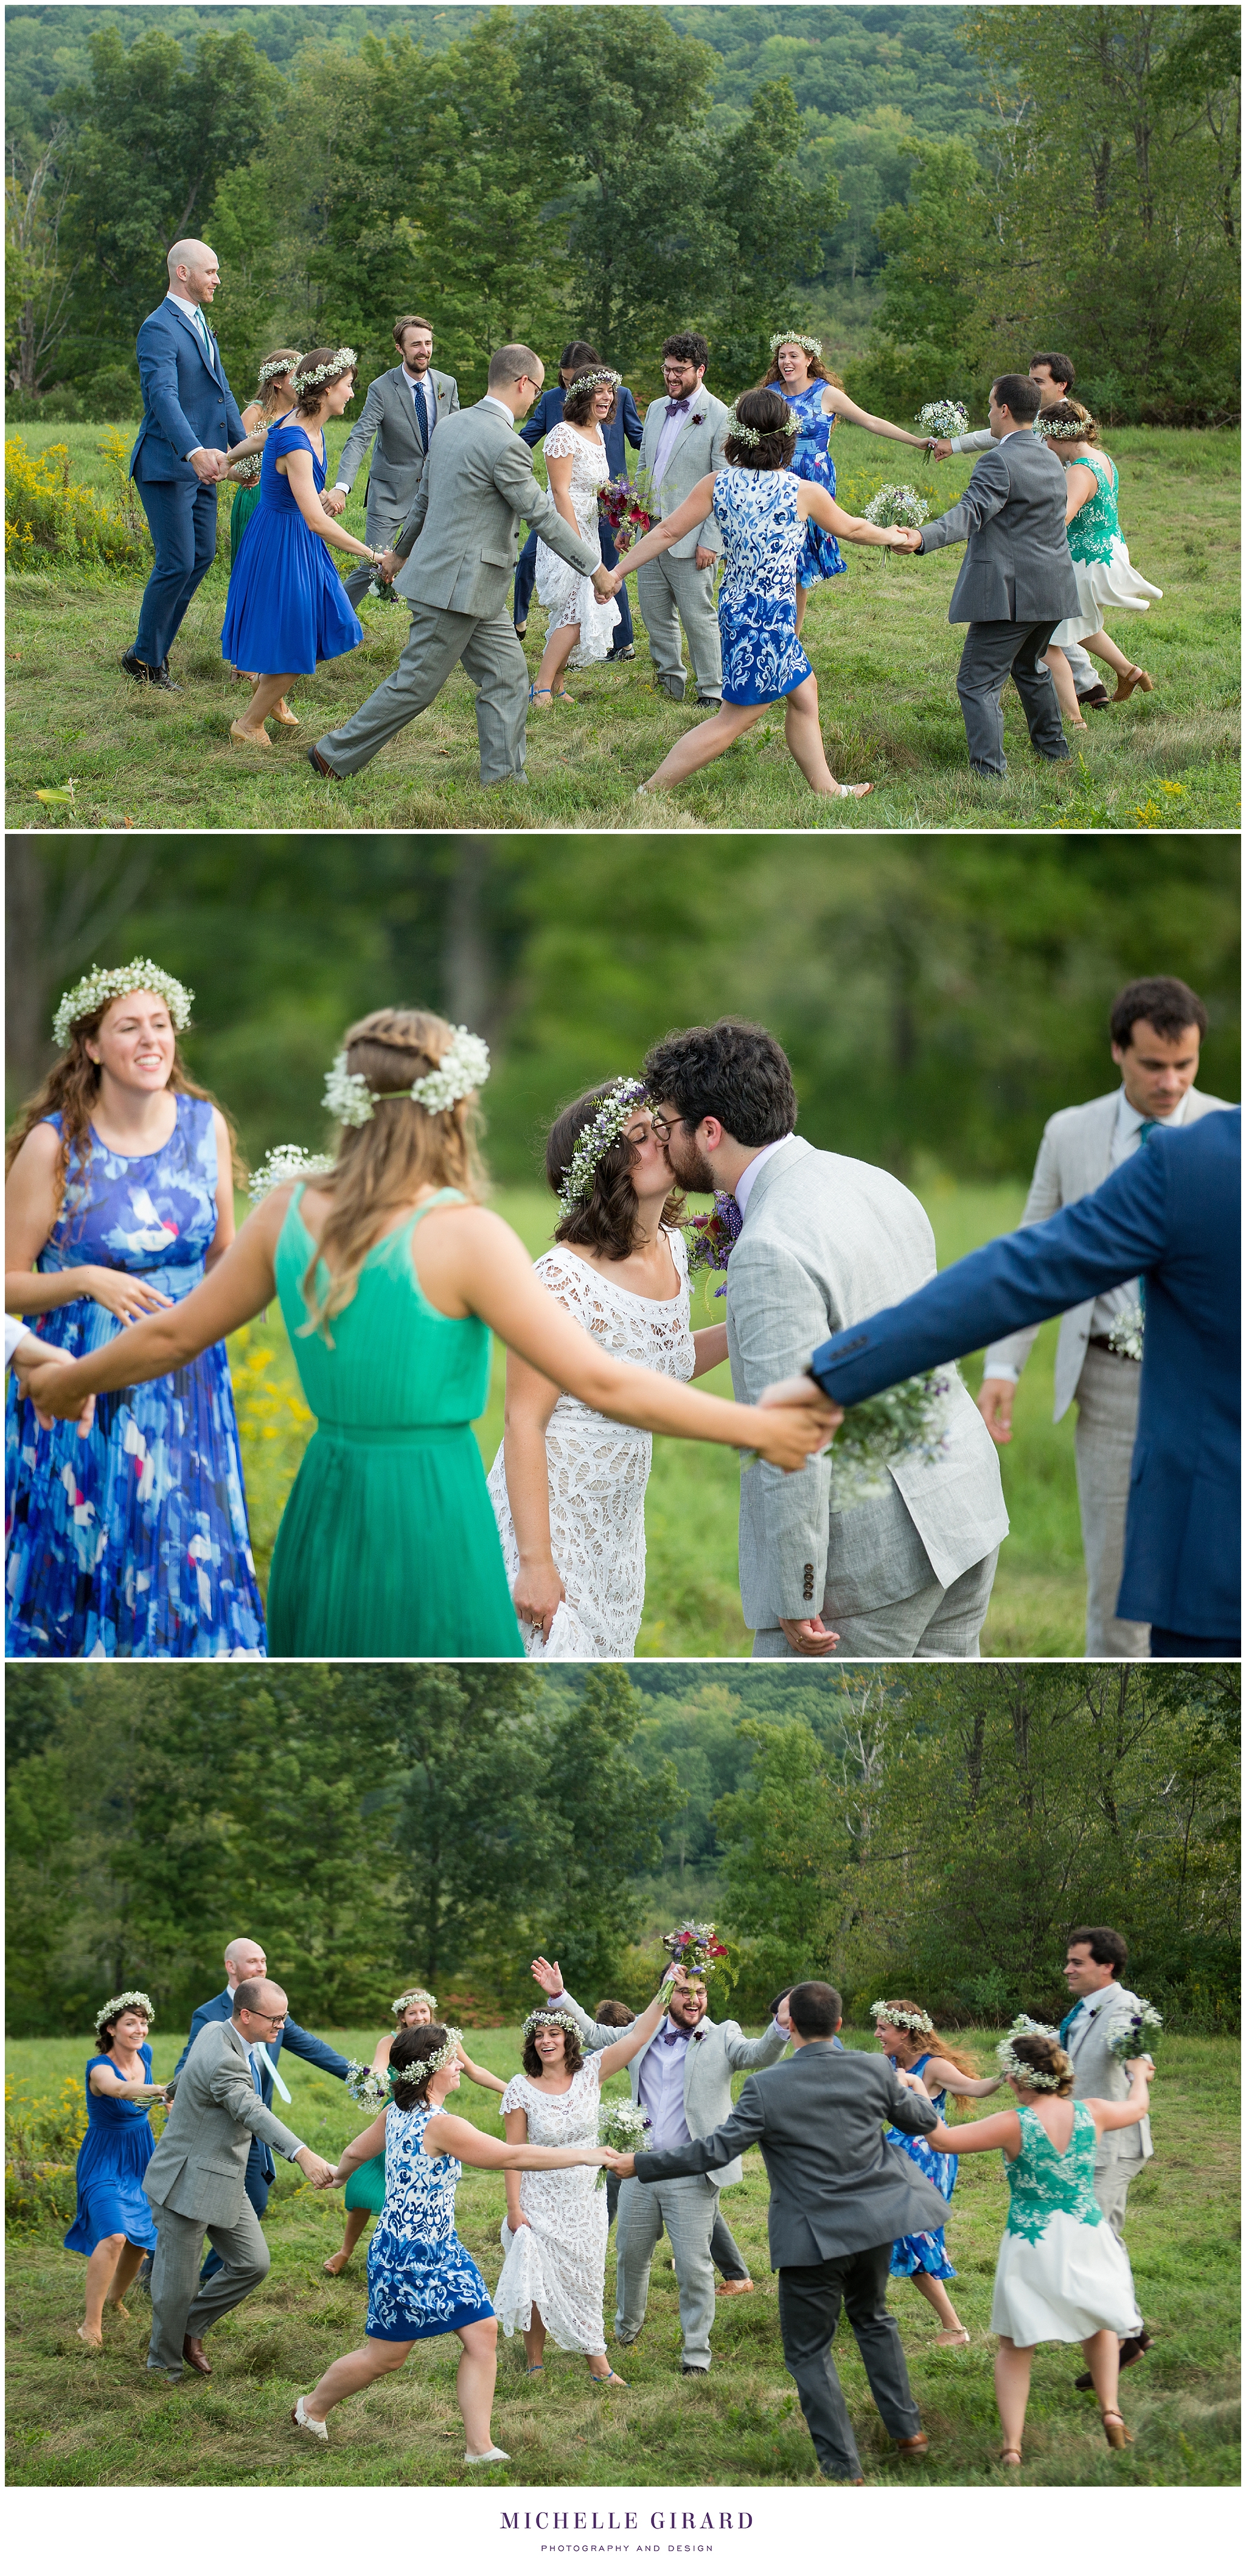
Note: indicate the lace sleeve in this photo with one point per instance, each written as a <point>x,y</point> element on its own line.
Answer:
<point>515,2097</point>
<point>561,440</point>
<point>570,1281</point>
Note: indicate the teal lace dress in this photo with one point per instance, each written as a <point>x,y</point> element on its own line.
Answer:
<point>1062,2274</point>
<point>1106,579</point>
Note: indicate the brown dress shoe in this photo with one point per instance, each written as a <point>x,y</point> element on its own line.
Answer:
<point>915,2448</point>
<point>193,2352</point>
<point>319,763</point>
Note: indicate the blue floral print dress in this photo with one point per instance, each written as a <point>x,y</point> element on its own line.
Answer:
<point>820,558</point>
<point>925,2252</point>
<point>763,657</point>
<point>133,1541</point>
<point>421,2279</point>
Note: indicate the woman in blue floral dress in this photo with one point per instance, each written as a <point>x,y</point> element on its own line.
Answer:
<point>818,401</point>
<point>762,509</point>
<point>421,2279</point>
<point>908,2037</point>
<point>132,1540</point>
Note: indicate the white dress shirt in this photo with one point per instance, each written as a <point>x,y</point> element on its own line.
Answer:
<point>430,395</point>
<point>743,1187</point>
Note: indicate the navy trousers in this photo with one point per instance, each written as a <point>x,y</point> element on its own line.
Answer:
<point>182,520</point>
<point>257,2186</point>
<point>525,582</point>
<point>1175,1647</point>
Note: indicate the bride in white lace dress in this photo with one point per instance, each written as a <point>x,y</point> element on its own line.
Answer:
<point>554,2234</point>
<point>581,626</point>
<point>568,1486</point>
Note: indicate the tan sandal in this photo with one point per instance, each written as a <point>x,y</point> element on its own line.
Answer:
<point>281,715</point>
<point>1115,2428</point>
<point>1010,2457</point>
<point>1134,678</point>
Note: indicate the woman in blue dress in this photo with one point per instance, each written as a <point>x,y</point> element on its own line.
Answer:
<point>818,401</point>
<point>421,2279</point>
<point>762,509</point>
<point>113,2224</point>
<point>132,1540</point>
<point>908,2037</point>
<point>286,610</point>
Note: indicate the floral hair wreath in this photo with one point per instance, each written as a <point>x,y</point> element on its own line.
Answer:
<point>795,340</point>
<point>551,2020</point>
<point>1067,432</point>
<point>332,367</point>
<point>598,376</point>
<point>109,983</point>
<point>274,367</point>
<point>422,2066</point>
<point>414,1995</point>
<point>605,1130</point>
<point>133,2000</point>
<point>463,1068</point>
<point>734,427</point>
<point>1036,2079</point>
<point>286,1163</point>
<point>882,2011</point>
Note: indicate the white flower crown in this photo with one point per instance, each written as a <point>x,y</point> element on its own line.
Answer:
<point>286,1163</point>
<point>463,1068</point>
<point>1066,431</point>
<point>551,2020</point>
<point>594,1140</point>
<point>797,340</point>
<point>422,2066</point>
<point>1035,2079</point>
<point>133,2000</point>
<point>901,2020</point>
<point>108,983</point>
<point>414,1995</point>
<point>599,376</point>
<point>334,366</point>
<point>734,427</point>
<point>272,368</point>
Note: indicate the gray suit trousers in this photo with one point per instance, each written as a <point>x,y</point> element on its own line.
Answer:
<point>491,655</point>
<point>994,649</point>
<point>687,2208</point>
<point>810,2298</point>
<point>180,2305</point>
<point>1103,1448</point>
<point>666,591</point>
<point>935,1622</point>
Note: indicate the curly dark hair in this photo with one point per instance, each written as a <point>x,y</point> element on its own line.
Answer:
<point>572,2062</point>
<point>691,346</point>
<point>1170,1008</point>
<point>578,408</point>
<point>767,412</point>
<point>607,1221</point>
<point>407,2048</point>
<point>734,1071</point>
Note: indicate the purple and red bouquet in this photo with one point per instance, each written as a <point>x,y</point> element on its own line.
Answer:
<point>629,510</point>
<point>695,1951</point>
<point>713,1236</point>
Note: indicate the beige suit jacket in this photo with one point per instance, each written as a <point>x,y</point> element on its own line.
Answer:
<point>200,2163</point>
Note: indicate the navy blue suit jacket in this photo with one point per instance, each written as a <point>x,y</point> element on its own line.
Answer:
<point>186,402</point>
<point>301,2043</point>
<point>626,424</point>
<point>1170,1214</point>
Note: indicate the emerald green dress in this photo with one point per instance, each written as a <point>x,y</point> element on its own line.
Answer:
<point>388,1545</point>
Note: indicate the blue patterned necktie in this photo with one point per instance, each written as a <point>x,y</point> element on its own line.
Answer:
<point>421,414</point>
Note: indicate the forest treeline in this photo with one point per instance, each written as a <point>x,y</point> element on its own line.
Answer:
<point>992,180</point>
<point>900,1830</point>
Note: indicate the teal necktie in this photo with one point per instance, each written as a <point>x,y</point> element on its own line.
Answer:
<point>205,336</point>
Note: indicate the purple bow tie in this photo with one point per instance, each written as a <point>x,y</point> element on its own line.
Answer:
<point>673,407</point>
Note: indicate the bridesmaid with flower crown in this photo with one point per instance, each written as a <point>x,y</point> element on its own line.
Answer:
<point>365,2189</point>
<point>908,2037</point>
<point>818,400</point>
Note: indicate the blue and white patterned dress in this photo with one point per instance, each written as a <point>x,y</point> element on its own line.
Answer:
<point>820,558</point>
<point>133,1541</point>
<point>925,2252</point>
<point>763,657</point>
<point>421,2279</point>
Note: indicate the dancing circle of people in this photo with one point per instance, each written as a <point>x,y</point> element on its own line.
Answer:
<point>860,2158</point>
<point>745,492</point>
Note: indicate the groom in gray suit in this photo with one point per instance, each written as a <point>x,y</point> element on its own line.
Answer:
<point>684,438</point>
<point>906,1573</point>
<point>453,560</point>
<point>401,410</point>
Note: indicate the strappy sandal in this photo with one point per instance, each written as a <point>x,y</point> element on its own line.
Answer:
<point>866,790</point>
<point>1010,2457</point>
<point>534,2370</point>
<point>606,2379</point>
<point>1115,2428</point>
<point>1134,678</point>
<point>534,693</point>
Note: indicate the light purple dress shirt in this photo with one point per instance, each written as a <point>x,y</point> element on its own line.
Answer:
<point>667,435</point>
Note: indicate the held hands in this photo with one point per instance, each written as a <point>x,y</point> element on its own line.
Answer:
<point>538,1591</point>
<point>210,463</point>
<point>333,503</point>
<point>319,2174</point>
<point>623,2166</point>
<point>994,1401</point>
<point>939,448</point>
<point>903,541</point>
<point>389,564</point>
<point>606,583</point>
<point>793,1429</point>
<point>44,1385</point>
<point>1135,2066</point>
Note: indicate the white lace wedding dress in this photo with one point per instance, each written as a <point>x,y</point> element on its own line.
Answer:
<point>567,594</point>
<point>598,1470</point>
<point>557,2263</point>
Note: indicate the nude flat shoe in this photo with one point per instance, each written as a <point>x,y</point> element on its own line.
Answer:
<point>485,2459</point>
<point>249,741</point>
<point>291,722</point>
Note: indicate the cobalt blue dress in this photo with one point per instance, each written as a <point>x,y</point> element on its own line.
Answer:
<point>133,1541</point>
<point>421,2279</point>
<point>286,609</point>
<point>820,558</point>
<point>112,2161</point>
<point>925,2252</point>
<point>763,657</point>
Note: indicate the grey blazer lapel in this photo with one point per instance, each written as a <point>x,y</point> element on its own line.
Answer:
<point>793,1150</point>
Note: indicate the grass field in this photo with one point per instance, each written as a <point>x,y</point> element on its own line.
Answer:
<point>878,638</point>
<point>692,1601</point>
<point>77,2419</point>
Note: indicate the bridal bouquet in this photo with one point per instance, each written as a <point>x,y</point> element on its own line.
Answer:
<point>1129,2030</point>
<point>712,1237</point>
<point>696,1949</point>
<point>897,505</point>
<point>365,2086</point>
<point>621,2125</point>
<point>943,419</point>
<point>629,509</point>
<point>905,1421</point>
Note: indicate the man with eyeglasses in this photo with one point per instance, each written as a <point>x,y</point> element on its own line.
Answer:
<point>196,2180</point>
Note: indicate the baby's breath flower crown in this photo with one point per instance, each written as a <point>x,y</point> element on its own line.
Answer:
<point>337,365</point>
<point>133,2000</point>
<point>734,427</point>
<point>604,1130</point>
<point>1066,432</point>
<point>414,1995</point>
<point>795,340</point>
<point>1037,2079</point>
<point>274,367</point>
<point>901,2020</point>
<point>597,376</point>
<point>463,1068</point>
<point>110,983</point>
<point>550,2021</point>
<point>286,1163</point>
<point>422,2066</point>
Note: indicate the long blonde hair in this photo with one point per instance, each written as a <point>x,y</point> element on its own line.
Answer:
<point>403,1149</point>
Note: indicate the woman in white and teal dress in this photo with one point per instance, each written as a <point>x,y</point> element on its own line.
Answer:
<point>1062,2275</point>
<point>818,400</point>
<point>907,2035</point>
<point>762,509</point>
<point>1105,577</point>
<point>421,2279</point>
<point>365,2192</point>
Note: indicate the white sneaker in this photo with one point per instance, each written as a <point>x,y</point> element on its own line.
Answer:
<point>485,2459</point>
<point>305,2423</point>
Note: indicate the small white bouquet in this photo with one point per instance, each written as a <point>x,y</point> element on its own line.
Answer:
<point>943,419</point>
<point>905,1421</point>
<point>621,2125</point>
<point>1129,2030</point>
<point>897,505</point>
<point>1125,1333</point>
<point>365,2086</point>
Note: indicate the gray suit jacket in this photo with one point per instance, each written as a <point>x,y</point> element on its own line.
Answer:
<point>699,449</point>
<point>825,1236</point>
<point>461,533</point>
<point>399,456</point>
<point>200,2162</point>
<point>717,2051</point>
<point>1018,566</point>
<point>1098,2076</point>
<point>1075,1157</point>
<point>836,2184</point>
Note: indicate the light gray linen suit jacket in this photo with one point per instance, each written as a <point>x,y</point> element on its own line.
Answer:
<point>717,2051</point>
<point>700,448</point>
<point>1017,564</point>
<point>1098,2076</point>
<point>200,2162</point>
<point>1074,1158</point>
<point>827,1241</point>
<point>460,538</point>
<point>399,456</point>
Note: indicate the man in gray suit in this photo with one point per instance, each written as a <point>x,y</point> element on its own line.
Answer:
<point>1156,1026</point>
<point>1092,1972</point>
<point>1016,582</point>
<point>196,2181</point>
<point>839,2196</point>
<point>401,410</point>
<point>453,560</point>
<point>684,437</point>
<point>906,1573</point>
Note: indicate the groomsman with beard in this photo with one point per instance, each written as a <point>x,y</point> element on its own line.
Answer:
<point>685,436</point>
<point>401,410</point>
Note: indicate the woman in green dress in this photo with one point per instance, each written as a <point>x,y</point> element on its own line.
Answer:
<point>391,1276</point>
<point>365,2188</point>
<point>274,397</point>
<point>1105,577</point>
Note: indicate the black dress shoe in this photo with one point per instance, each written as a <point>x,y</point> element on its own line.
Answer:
<point>621,653</point>
<point>166,681</point>
<point>715,703</point>
<point>320,764</point>
<point>156,675</point>
<point>521,631</point>
<point>694,2370</point>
